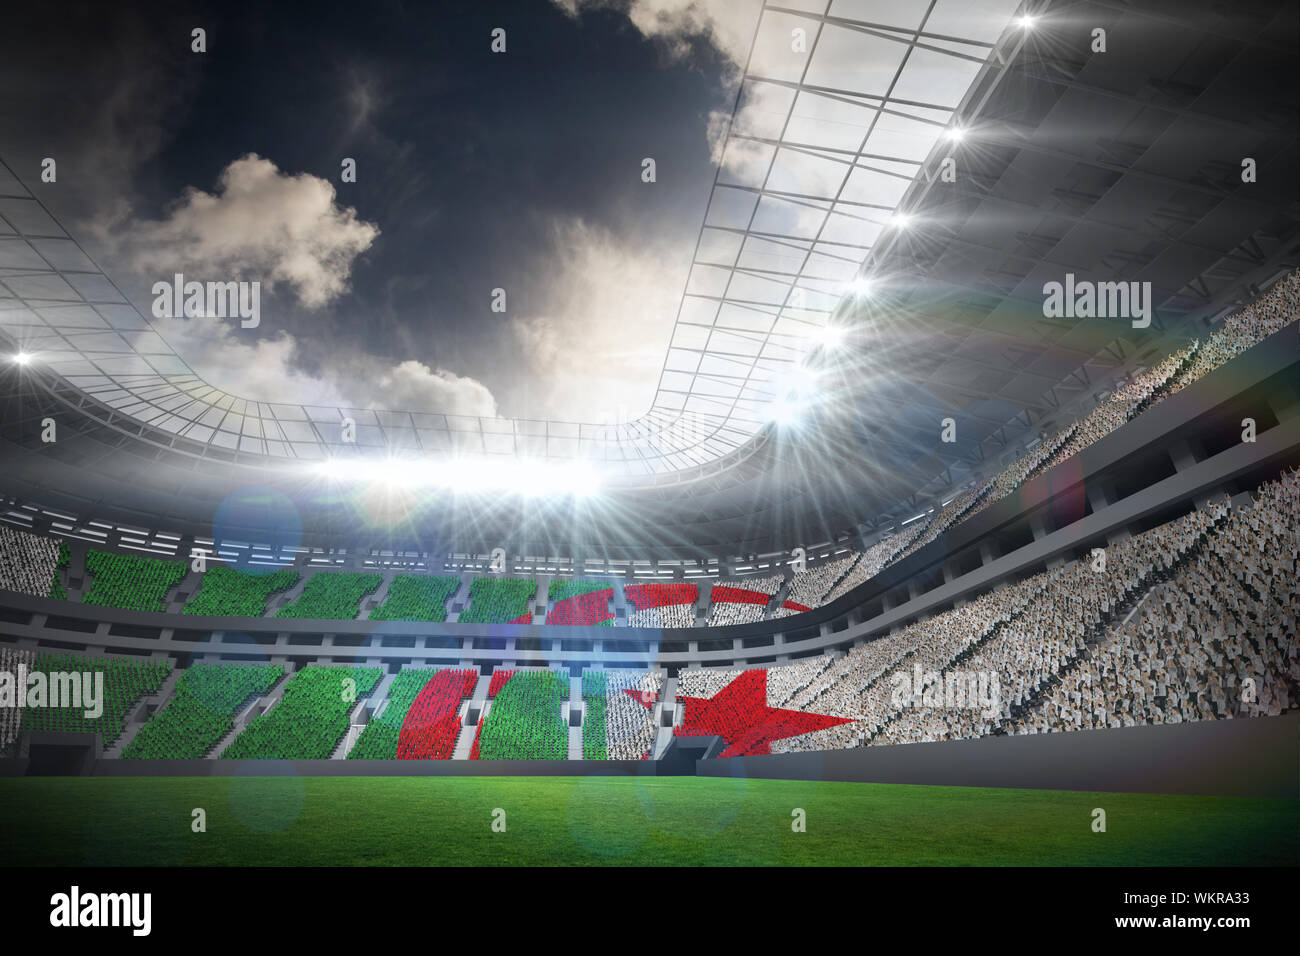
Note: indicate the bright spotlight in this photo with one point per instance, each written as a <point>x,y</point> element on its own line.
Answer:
<point>22,358</point>
<point>860,287</point>
<point>956,134</point>
<point>900,220</point>
<point>1026,22</point>
<point>830,337</point>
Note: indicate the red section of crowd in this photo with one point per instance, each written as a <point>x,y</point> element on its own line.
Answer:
<point>499,679</point>
<point>792,606</point>
<point>589,608</point>
<point>739,713</point>
<point>431,726</point>
<point>722,594</point>
<point>645,596</point>
<point>478,732</point>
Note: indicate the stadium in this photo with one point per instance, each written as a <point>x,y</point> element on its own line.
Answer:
<point>903,471</point>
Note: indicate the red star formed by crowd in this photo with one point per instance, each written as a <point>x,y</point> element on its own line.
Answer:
<point>740,715</point>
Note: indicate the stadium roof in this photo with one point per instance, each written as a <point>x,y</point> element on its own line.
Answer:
<point>839,107</point>
<point>1122,166</point>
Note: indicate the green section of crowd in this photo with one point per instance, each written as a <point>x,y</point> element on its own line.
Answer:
<point>311,718</point>
<point>527,720</point>
<point>593,722</point>
<point>227,592</point>
<point>131,582</point>
<point>201,710</point>
<point>332,596</point>
<point>62,709</point>
<point>416,597</point>
<point>499,600</point>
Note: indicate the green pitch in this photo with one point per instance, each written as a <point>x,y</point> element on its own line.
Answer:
<point>331,821</point>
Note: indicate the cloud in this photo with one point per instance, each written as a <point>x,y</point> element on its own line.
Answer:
<point>260,224</point>
<point>264,368</point>
<point>728,25</point>
<point>603,329</point>
<point>413,385</point>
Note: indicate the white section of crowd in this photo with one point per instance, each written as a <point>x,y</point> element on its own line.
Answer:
<point>11,658</point>
<point>731,612</point>
<point>629,725</point>
<point>673,615</point>
<point>810,587</point>
<point>1228,617</point>
<point>27,562</point>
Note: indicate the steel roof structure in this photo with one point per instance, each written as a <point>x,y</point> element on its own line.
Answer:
<point>1123,165</point>
<point>819,151</point>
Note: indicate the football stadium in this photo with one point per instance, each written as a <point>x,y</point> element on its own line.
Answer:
<point>650,433</point>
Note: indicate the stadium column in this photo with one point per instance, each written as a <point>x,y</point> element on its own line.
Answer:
<point>950,571</point>
<point>1038,526</point>
<point>988,553</point>
<point>1099,494</point>
<point>1285,403</point>
<point>1182,454</point>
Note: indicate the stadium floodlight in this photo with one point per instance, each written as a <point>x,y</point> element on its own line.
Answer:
<point>830,337</point>
<point>956,134</point>
<point>466,476</point>
<point>22,358</point>
<point>900,220</point>
<point>1026,22</point>
<point>860,287</point>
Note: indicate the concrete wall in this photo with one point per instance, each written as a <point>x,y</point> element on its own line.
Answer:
<point>1257,757</point>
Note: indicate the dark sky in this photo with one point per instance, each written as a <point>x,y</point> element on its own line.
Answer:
<point>479,170</point>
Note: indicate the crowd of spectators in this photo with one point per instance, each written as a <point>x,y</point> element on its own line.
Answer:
<point>809,588</point>
<point>1215,641</point>
<point>27,562</point>
<point>661,605</point>
<point>741,601</point>
<point>11,659</point>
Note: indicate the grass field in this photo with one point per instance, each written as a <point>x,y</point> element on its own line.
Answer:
<point>325,821</point>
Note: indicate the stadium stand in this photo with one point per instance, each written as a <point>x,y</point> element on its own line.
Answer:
<point>500,601</point>
<point>28,562</point>
<point>229,592</point>
<point>125,680</point>
<point>526,720</point>
<point>309,720</point>
<point>432,722</point>
<point>1250,325</point>
<point>332,596</point>
<point>808,589</point>
<point>417,597</point>
<point>201,710</point>
<point>580,602</point>
<point>131,582</point>
<point>619,720</point>
<point>661,605</point>
<point>419,720</point>
<point>741,601</point>
<point>15,662</point>
<point>1214,642</point>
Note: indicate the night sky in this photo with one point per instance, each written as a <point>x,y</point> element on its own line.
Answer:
<point>476,170</point>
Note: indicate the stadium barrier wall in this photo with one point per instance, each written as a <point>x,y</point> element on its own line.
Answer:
<point>351,768</point>
<point>1251,757</point>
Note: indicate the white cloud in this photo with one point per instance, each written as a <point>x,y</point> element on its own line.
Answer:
<point>260,224</point>
<point>599,340</point>
<point>727,24</point>
<point>262,368</point>
<point>414,386</point>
